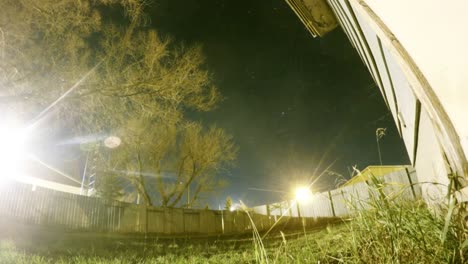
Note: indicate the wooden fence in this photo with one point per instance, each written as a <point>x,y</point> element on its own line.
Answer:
<point>49,208</point>
<point>22,203</point>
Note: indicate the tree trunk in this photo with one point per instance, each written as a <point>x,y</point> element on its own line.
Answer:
<point>142,190</point>
<point>181,193</point>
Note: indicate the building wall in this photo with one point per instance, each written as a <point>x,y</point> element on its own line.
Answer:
<point>416,53</point>
<point>434,34</point>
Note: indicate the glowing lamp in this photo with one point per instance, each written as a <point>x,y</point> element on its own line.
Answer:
<point>12,150</point>
<point>303,194</point>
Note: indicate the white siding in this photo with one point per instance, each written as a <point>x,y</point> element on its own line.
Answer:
<point>386,82</point>
<point>435,35</point>
<point>416,51</point>
<point>350,26</point>
<point>399,77</point>
<point>406,102</point>
<point>431,167</point>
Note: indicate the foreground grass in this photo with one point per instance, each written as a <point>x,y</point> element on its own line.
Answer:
<point>387,233</point>
<point>309,248</point>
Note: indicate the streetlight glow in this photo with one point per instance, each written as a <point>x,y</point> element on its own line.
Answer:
<point>303,194</point>
<point>12,150</point>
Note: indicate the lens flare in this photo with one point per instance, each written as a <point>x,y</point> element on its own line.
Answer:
<point>112,142</point>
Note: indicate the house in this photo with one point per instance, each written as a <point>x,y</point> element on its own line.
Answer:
<point>373,171</point>
<point>418,62</point>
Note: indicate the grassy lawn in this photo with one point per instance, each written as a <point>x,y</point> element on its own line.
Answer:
<point>387,233</point>
<point>298,248</point>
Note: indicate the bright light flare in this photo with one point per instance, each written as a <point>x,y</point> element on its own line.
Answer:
<point>303,194</point>
<point>12,150</point>
<point>112,142</point>
<point>237,206</point>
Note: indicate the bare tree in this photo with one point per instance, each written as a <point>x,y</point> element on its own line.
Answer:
<point>47,47</point>
<point>91,74</point>
<point>109,186</point>
<point>170,160</point>
<point>200,155</point>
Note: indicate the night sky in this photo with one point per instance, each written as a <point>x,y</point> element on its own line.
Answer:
<point>294,104</point>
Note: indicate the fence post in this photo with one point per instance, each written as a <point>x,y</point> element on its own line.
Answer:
<point>331,203</point>
<point>183,222</point>
<point>346,203</point>
<point>298,209</point>
<point>411,183</point>
<point>222,220</point>
<point>143,217</point>
<point>268,214</point>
